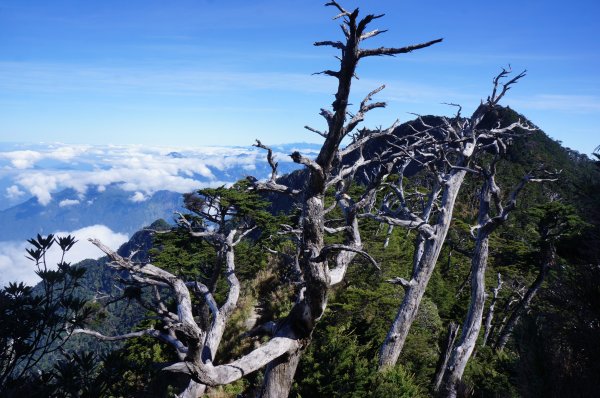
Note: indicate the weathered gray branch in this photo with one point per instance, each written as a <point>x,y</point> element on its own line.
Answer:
<point>394,51</point>
<point>335,44</point>
<point>270,159</point>
<point>178,345</point>
<point>461,140</point>
<point>322,134</point>
<point>450,339</point>
<point>490,315</point>
<point>226,374</point>
<point>402,282</point>
<point>338,247</point>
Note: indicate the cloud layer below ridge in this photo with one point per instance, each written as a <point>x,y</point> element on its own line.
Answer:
<point>41,170</point>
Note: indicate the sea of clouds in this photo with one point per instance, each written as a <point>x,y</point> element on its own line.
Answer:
<point>41,170</point>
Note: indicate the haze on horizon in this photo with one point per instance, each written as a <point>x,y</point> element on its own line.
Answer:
<point>215,73</point>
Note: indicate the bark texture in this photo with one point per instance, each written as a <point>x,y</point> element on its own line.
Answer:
<point>445,357</point>
<point>472,324</point>
<point>424,266</point>
<point>490,316</point>
<point>279,376</point>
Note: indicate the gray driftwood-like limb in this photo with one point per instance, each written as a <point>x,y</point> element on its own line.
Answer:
<point>182,295</point>
<point>328,117</point>
<point>270,186</point>
<point>490,315</point>
<point>343,13</point>
<point>326,250</point>
<point>450,339</point>
<point>208,297</point>
<point>418,224</point>
<point>228,373</point>
<point>328,72</point>
<point>178,345</point>
<point>365,106</point>
<point>222,315</point>
<point>402,282</point>
<point>372,33</point>
<point>395,51</point>
<point>388,235</point>
<point>315,167</point>
<point>270,159</point>
<point>504,86</point>
<point>360,142</point>
<point>335,44</point>
<point>322,134</point>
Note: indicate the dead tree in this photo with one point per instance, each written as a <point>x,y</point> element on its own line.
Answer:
<point>330,170</point>
<point>194,333</point>
<point>445,356</point>
<point>487,223</point>
<point>490,315</point>
<point>447,160</point>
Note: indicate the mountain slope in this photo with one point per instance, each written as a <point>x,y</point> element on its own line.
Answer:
<point>67,212</point>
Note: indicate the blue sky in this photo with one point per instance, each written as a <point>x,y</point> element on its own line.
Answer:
<point>226,72</point>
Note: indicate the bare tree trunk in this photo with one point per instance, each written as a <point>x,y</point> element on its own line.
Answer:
<point>470,138</point>
<point>317,274</point>
<point>470,330</point>
<point>461,353</point>
<point>193,390</point>
<point>388,236</point>
<point>279,376</point>
<point>396,337</point>
<point>464,284</point>
<point>490,316</point>
<point>498,328</point>
<point>439,374</point>
<point>548,260</point>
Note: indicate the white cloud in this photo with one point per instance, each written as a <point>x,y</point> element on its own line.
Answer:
<point>68,202</point>
<point>15,267</point>
<point>23,159</point>
<point>14,192</point>
<point>66,153</point>
<point>138,197</point>
<point>134,168</point>
<point>39,185</point>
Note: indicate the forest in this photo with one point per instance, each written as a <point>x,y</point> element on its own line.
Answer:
<point>447,256</point>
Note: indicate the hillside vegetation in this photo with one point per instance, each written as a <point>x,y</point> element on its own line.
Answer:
<point>552,351</point>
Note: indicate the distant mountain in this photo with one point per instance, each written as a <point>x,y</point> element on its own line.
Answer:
<point>99,281</point>
<point>69,211</point>
<point>46,188</point>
